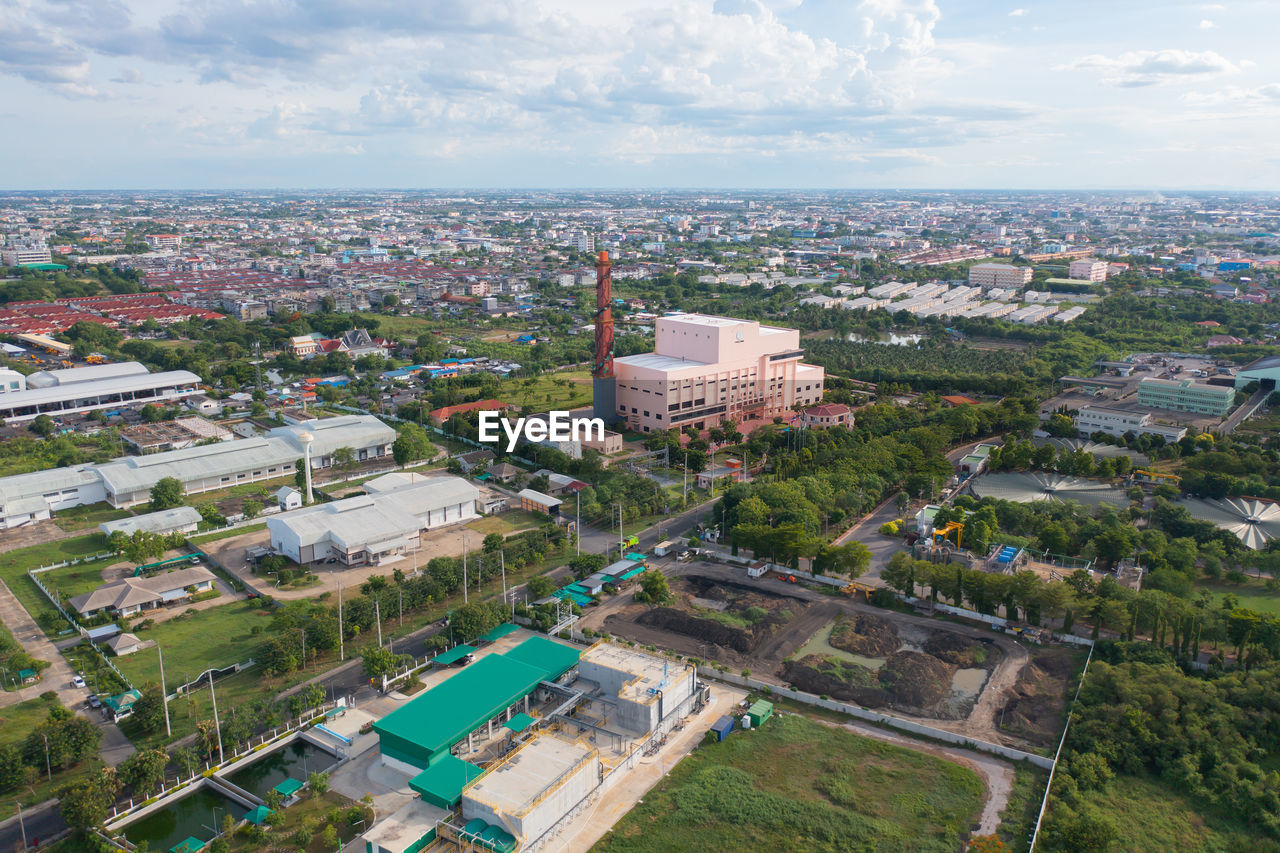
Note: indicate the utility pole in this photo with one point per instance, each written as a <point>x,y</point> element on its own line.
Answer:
<point>502,557</point>
<point>401,607</point>
<point>48,766</point>
<point>464,570</point>
<point>342,652</point>
<point>22,824</point>
<point>303,632</point>
<point>620,547</point>
<point>685,496</point>
<point>164,693</point>
<point>577,526</point>
<point>217,725</point>
<point>377,617</point>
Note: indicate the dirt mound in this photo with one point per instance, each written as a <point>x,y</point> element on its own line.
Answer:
<point>847,682</point>
<point>707,630</point>
<point>962,651</point>
<point>866,634</point>
<point>1038,699</point>
<point>916,680</point>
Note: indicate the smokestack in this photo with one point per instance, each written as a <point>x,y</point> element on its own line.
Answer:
<point>604,391</point>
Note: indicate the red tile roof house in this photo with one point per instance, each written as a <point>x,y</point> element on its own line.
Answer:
<point>828,414</point>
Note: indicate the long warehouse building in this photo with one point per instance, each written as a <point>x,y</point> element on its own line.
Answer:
<point>83,389</point>
<point>127,481</point>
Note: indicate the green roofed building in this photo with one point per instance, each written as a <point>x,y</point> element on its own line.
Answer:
<point>442,783</point>
<point>190,844</point>
<point>257,816</point>
<point>499,632</point>
<point>454,654</point>
<point>417,735</point>
<point>288,787</point>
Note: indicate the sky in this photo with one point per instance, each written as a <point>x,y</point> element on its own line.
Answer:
<point>222,94</point>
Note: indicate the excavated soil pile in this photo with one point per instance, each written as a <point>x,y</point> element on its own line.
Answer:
<point>707,630</point>
<point>764,614</point>
<point>847,682</point>
<point>1035,711</point>
<point>962,651</point>
<point>916,680</point>
<point>867,635</point>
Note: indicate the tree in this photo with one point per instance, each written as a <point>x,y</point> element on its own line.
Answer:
<point>540,586</point>
<point>987,844</point>
<point>167,493</point>
<point>379,661</point>
<point>251,508</point>
<point>653,585</point>
<point>586,564</point>
<point>900,573</point>
<point>84,804</point>
<point>412,444</point>
<point>850,559</point>
<point>344,458</point>
<point>143,771</point>
<point>471,620</point>
<point>148,710</point>
<point>318,782</point>
<point>42,426</point>
<point>493,542</point>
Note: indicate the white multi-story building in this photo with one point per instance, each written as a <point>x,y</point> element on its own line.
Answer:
<point>1088,269</point>
<point>999,275</point>
<point>708,369</point>
<point>21,255</point>
<point>1091,419</point>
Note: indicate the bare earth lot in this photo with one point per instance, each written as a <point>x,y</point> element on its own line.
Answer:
<point>962,678</point>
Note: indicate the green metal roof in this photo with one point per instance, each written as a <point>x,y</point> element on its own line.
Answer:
<point>519,722</point>
<point>440,717</point>
<point>442,783</point>
<point>552,658</point>
<point>576,597</point>
<point>496,838</point>
<point>190,844</point>
<point>257,816</point>
<point>635,557</point>
<point>288,787</point>
<point>454,654</point>
<point>628,575</point>
<point>499,632</point>
<point>122,700</point>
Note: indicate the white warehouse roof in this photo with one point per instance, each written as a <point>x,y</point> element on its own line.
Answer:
<point>91,373</point>
<point>164,521</point>
<point>99,388</point>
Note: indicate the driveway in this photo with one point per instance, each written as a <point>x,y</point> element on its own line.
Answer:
<point>57,677</point>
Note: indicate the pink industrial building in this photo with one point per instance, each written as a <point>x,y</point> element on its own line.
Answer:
<point>709,369</point>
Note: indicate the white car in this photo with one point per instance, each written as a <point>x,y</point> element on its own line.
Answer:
<point>77,682</point>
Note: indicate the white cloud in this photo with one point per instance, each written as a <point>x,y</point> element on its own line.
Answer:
<point>1259,95</point>
<point>1149,67</point>
<point>1017,13</point>
<point>1206,24</point>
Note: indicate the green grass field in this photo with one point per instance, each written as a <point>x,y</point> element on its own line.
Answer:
<point>16,722</point>
<point>509,522</point>
<point>565,389</point>
<point>14,566</point>
<point>87,518</point>
<point>796,784</point>
<point>1151,818</point>
<point>217,637</point>
<point>1252,594</point>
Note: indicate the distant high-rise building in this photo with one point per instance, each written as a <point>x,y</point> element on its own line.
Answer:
<point>999,275</point>
<point>23,254</point>
<point>583,241</point>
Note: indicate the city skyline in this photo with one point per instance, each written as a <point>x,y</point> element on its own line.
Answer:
<point>745,94</point>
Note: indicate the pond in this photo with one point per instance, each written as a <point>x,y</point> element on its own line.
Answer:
<point>195,815</point>
<point>820,644</point>
<point>967,683</point>
<point>901,339</point>
<point>298,760</point>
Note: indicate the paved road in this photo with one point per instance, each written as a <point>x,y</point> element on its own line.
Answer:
<point>42,822</point>
<point>58,676</point>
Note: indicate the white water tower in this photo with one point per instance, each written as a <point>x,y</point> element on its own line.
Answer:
<point>306,438</point>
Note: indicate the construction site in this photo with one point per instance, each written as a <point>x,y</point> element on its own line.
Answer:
<point>506,752</point>
<point>950,675</point>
